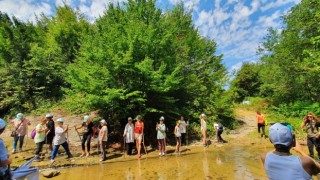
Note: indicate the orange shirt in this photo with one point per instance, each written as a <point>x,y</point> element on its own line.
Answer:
<point>260,119</point>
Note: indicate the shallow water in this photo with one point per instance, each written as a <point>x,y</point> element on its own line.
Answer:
<point>227,162</point>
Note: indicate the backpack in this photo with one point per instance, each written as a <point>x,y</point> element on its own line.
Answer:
<point>33,133</point>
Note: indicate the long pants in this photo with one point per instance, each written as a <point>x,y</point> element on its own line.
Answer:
<point>39,147</point>
<point>219,132</point>
<point>86,138</point>
<point>103,150</point>
<point>56,148</point>
<point>313,142</point>
<point>261,126</point>
<point>183,138</point>
<point>130,146</point>
<point>162,145</point>
<point>15,141</point>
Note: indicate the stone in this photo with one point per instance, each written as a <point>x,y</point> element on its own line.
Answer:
<point>49,173</point>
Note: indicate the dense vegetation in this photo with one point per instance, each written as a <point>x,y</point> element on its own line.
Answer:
<point>288,73</point>
<point>134,59</point>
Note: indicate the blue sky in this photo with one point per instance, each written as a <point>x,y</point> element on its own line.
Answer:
<point>238,26</point>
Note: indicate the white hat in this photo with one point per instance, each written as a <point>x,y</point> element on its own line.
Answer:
<point>60,120</point>
<point>129,118</point>
<point>103,121</point>
<point>161,118</point>
<point>85,119</point>
<point>2,123</point>
<point>203,115</point>
<point>49,115</point>
<point>280,134</point>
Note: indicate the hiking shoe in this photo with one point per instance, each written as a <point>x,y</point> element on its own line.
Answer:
<point>163,154</point>
<point>101,160</point>
<point>69,156</point>
<point>20,150</point>
<point>51,161</point>
<point>88,154</point>
<point>13,151</point>
<point>160,154</point>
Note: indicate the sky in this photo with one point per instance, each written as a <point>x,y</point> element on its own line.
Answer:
<point>238,26</point>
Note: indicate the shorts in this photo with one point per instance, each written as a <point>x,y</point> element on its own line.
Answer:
<point>138,136</point>
<point>178,139</point>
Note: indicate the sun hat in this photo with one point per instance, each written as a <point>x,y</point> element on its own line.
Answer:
<point>2,123</point>
<point>19,116</point>
<point>103,121</point>
<point>139,117</point>
<point>49,116</point>
<point>85,119</point>
<point>161,118</point>
<point>60,120</point>
<point>129,118</point>
<point>203,115</point>
<point>280,134</point>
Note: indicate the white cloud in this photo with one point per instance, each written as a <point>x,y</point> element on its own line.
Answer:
<point>276,4</point>
<point>189,4</point>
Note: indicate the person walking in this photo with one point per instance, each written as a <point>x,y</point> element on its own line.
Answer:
<point>183,130</point>
<point>138,133</point>
<point>280,164</point>
<point>219,130</point>
<point>177,134</point>
<point>86,138</point>
<point>103,138</point>
<point>5,159</point>
<point>51,132</point>
<point>310,124</point>
<point>161,135</point>
<point>40,137</point>
<point>203,129</point>
<point>128,134</point>
<point>60,139</point>
<point>21,125</point>
<point>261,124</point>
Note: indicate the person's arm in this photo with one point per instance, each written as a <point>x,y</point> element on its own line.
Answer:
<point>303,124</point>
<point>263,158</point>
<point>78,127</point>
<point>66,129</point>
<point>6,162</point>
<point>38,130</point>
<point>310,165</point>
<point>125,130</point>
<point>162,128</point>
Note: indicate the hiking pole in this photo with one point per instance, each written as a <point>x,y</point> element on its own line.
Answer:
<point>25,144</point>
<point>78,133</point>
<point>124,147</point>
<point>145,150</point>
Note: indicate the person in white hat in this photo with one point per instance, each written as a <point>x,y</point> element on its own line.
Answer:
<point>280,163</point>
<point>5,159</point>
<point>60,139</point>
<point>88,126</point>
<point>21,127</point>
<point>161,135</point>
<point>103,139</point>
<point>203,129</point>
<point>128,134</point>
<point>51,131</point>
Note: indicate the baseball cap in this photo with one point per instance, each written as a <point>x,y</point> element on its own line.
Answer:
<point>161,118</point>
<point>85,119</point>
<point>103,121</point>
<point>60,120</point>
<point>49,115</point>
<point>280,134</point>
<point>19,116</point>
<point>129,118</point>
<point>2,123</point>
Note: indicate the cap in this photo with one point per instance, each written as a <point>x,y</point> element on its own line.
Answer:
<point>161,118</point>
<point>60,120</point>
<point>103,121</point>
<point>2,123</point>
<point>203,115</point>
<point>129,118</point>
<point>85,119</point>
<point>139,117</point>
<point>280,134</point>
<point>19,116</point>
<point>49,115</point>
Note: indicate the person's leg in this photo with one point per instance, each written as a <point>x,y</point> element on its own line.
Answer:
<point>65,145</point>
<point>38,150</point>
<point>219,135</point>
<point>88,144</point>
<point>163,146</point>
<point>204,133</point>
<point>21,139</point>
<point>83,142</point>
<point>55,151</point>
<point>15,141</point>
<point>183,142</point>
<point>103,150</point>
<point>310,147</point>
<point>263,131</point>
<point>159,145</point>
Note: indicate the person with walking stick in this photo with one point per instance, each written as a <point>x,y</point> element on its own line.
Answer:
<point>86,138</point>
<point>128,136</point>
<point>161,135</point>
<point>21,124</point>
<point>138,133</point>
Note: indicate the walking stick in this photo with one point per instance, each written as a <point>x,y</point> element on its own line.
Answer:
<point>78,133</point>
<point>145,150</point>
<point>25,144</point>
<point>124,147</point>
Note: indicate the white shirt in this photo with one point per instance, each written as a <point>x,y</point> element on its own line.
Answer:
<point>60,136</point>
<point>183,126</point>
<point>129,132</point>
<point>103,129</point>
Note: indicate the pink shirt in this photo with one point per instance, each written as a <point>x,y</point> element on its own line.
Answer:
<point>22,130</point>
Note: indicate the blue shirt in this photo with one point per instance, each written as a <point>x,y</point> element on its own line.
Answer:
<point>3,156</point>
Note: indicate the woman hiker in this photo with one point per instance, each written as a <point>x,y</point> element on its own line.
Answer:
<point>177,134</point>
<point>103,138</point>
<point>161,135</point>
<point>40,137</point>
<point>138,133</point>
<point>261,124</point>
<point>60,139</point>
<point>50,133</point>
<point>5,159</point>
<point>183,130</point>
<point>203,129</point>
<point>86,138</point>
<point>21,125</point>
<point>128,134</point>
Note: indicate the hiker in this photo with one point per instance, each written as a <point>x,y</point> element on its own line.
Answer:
<point>261,124</point>
<point>203,129</point>
<point>161,135</point>
<point>60,139</point>
<point>21,127</point>
<point>280,163</point>
<point>183,130</point>
<point>103,138</point>
<point>138,133</point>
<point>40,137</point>
<point>88,131</point>
<point>50,133</point>
<point>177,134</point>
<point>5,159</point>
<point>128,134</point>
<point>219,130</point>
<point>310,123</point>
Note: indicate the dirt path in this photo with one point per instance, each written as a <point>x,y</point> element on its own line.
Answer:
<point>247,121</point>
